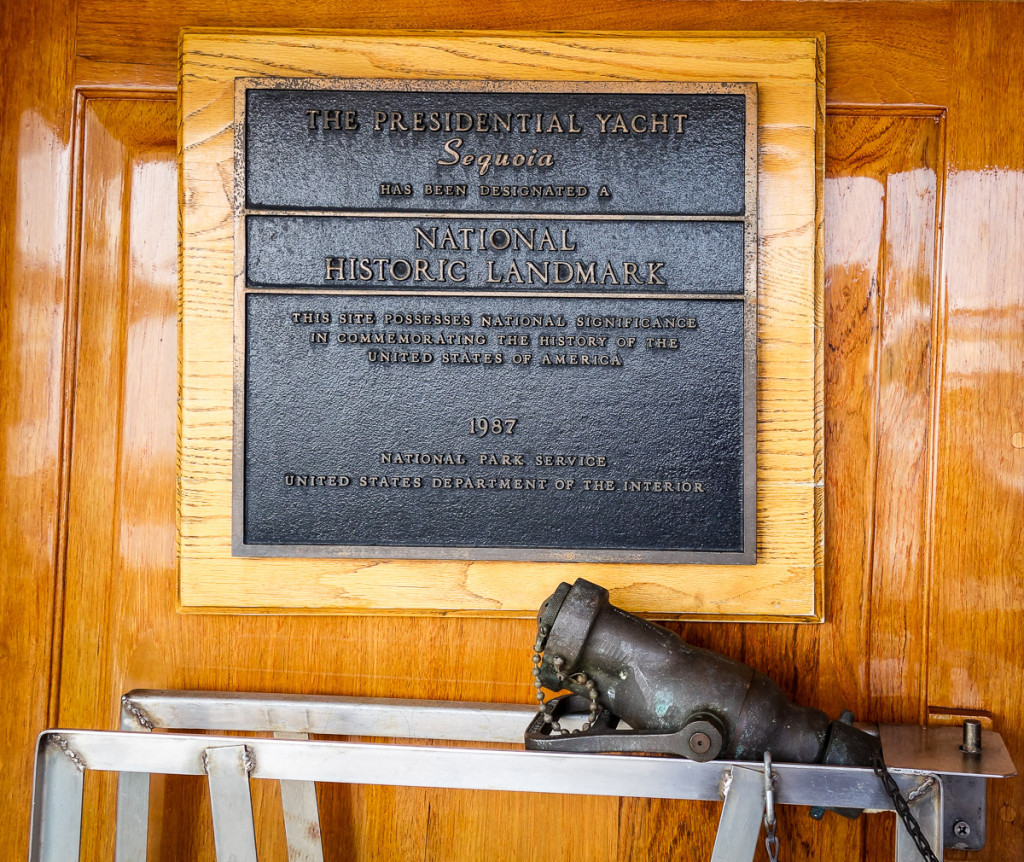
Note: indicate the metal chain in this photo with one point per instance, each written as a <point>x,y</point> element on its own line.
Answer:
<point>771,843</point>
<point>771,840</point>
<point>903,810</point>
<point>578,678</point>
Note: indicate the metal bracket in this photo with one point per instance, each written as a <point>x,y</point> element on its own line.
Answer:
<point>740,823</point>
<point>925,800</point>
<point>227,770</point>
<point>962,759</point>
<point>604,737</point>
<point>301,815</point>
<point>964,803</point>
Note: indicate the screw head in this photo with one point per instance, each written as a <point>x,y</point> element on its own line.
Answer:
<point>961,828</point>
<point>700,742</point>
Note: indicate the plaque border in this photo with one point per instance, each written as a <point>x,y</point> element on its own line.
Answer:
<point>786,583</point>
<point>241,211</point>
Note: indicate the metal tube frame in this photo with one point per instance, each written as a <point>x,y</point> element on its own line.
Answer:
<point>63,756</point>
<point>234,833</point>
<point>740,823</point>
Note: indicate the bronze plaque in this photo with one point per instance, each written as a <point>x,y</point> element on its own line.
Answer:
<point>495,321</point>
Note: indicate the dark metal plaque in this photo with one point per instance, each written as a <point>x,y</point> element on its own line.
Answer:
<point>495,321</point>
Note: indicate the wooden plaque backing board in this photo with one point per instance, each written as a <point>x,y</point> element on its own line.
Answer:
<point>785,583</point>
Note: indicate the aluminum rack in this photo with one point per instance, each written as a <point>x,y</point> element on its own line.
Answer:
<point>945,786</point>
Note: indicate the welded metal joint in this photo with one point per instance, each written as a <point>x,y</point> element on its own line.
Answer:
<point>60,742</point>
<point>131,712</point>
<point>923,789</point>
<point>725,783</point>
<point>248,759</point>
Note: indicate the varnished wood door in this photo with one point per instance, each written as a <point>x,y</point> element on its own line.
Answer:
<point>924,386</point>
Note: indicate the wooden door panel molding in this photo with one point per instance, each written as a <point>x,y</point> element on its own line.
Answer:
<point>122,457</point>
<point>886,52</point>
<point>37,48</point>
<point>883,193</point>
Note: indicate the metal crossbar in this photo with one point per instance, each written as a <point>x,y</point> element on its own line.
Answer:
<point>229,762</point>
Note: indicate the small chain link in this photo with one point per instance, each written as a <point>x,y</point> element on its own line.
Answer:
<point>578,678</point>
<point>771,842</point>
<point>903,810</point>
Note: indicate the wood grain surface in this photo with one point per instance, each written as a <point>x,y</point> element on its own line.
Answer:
<point>785,582</point>
<point>976,613</point>
<point>924,431</point>
<point>882,198</point>
<point>36,119</point>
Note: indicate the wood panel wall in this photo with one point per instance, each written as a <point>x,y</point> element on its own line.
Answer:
<point>924,200</point>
